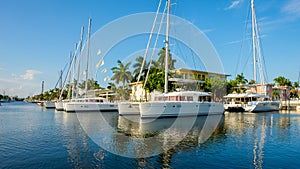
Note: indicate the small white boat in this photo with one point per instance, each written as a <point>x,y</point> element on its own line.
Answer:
<point>183,103</point>
<point>49,104</point>
<point>90,104</point>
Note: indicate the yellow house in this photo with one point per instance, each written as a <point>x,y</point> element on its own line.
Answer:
<point>199,75</point>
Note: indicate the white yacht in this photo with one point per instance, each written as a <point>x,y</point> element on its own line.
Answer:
<point>249,102</point>
<point>183,103</point>
<point>178,103</point>
<point>90,104</point>
<point>253,101</point>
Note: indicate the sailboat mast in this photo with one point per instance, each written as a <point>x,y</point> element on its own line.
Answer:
<point>87,58</point>
<point>167,46</point>
<point>253,40</point>
<point>74,87</point>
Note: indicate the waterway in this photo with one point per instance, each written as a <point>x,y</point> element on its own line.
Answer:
<point>35,137</point>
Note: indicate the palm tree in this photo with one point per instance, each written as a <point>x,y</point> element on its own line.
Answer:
<point>161,59</point>
<point>275,95</point>
<point>282,81</point>
<point>252,82</point>
<point>240,78</point>
<point>138,65</point>
<point>121,73</point>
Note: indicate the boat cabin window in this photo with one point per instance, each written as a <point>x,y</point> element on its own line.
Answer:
<point>161,98</point>
<point>253,99</point>
<point>173,98</point>
<point>182,98</point>
<point>204,98</point>
<point>189,98</point>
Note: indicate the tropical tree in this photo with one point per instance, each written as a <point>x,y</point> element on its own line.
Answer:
<point>252,82</point>
<point>282,81</point>
<point>295,85</point>
<point>91,85</point>
<point>122,73</point>
<point>275,95</point>
<point>240,78</point>
<point>156,81</point>
<point>138,65</point>
<point>233,85</point>
<point>161,60</point>
<point>112,86</point>
<point>294,94</point>
<point>216,86</point>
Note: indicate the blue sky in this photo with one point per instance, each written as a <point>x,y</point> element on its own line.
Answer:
<point>36,36</point>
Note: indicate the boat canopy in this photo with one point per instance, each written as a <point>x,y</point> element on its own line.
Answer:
<point>243,95</point>
<point>186,93</point>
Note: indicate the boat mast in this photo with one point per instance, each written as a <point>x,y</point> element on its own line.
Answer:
<point>253,40</point>
<point>72,59</point>
<point>87,58</point>
<point>79,47</point>
<point>167,46</point>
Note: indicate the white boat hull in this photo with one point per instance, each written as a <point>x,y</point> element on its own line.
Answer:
<point>59,106</point>
<point>174,109</point>
<point>49,105</point>
<point>89,106</point>
<point>262,106</point>
<point>129,108</point>
<point>234,107</point>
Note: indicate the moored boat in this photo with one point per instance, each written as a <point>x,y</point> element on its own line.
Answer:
<point>249,102</point>
<point>183,103</point>
<point>90,104</point>
<point>49,104</point>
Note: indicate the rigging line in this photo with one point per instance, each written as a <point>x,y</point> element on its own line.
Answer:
<point>68,74</point>
<point>263,59</point>
<point>178,46</point>
<point>193,56</point>
<point>156,40</point>
<point>243,39</point>
<point>249,55</point>
<point>149,40</point>
<point>60,76</point>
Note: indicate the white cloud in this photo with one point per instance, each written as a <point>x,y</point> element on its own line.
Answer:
<point>292,7</point>
<point>233,5</point>
<point>29,75</point>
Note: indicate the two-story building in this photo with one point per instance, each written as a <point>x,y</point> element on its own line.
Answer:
<point>139,94</point>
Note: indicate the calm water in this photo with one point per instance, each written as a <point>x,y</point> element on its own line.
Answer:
<point>33,137</point>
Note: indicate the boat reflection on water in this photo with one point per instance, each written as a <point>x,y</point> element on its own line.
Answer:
<point>159,136</point>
